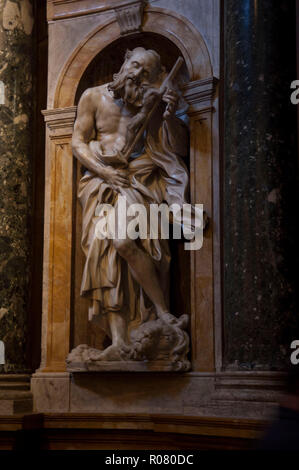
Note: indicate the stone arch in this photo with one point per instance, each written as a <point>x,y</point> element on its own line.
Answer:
<point>179,30</point>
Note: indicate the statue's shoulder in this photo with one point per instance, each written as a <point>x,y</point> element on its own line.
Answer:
<point>89,93</point>
<point>96,91</point>
<point>95,95</point>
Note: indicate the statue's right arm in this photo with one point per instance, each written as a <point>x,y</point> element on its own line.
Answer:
<point>84,130</point>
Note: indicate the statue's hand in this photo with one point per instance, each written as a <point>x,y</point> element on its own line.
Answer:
<point>150,97</point>
<point>171,98</point>
<point>116,178</point>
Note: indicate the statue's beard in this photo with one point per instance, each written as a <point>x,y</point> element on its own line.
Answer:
<point>125,87</point>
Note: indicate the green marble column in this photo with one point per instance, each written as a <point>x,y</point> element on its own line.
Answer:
<point>260,185</point>
<point>16,94</point>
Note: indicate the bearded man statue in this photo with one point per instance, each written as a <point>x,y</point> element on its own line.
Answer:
<point>127,281</point>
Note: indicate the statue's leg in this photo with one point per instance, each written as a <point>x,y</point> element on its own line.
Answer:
<point>144,272</point>
<point>118,349</point>
<point>118,331</point>
<point>118,328</point>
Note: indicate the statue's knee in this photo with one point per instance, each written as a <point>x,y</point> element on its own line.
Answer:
<point>126,248</point>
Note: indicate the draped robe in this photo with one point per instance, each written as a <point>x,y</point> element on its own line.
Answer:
<point>157,175</point>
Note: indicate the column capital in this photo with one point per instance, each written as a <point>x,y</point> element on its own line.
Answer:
<point>60,121</point>
<point>199,95</point>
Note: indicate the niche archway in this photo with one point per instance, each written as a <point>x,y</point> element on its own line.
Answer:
<point>179,31</point>
<point>61,223</point>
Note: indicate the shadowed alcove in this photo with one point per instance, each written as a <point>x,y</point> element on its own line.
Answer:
<point>109,61</point>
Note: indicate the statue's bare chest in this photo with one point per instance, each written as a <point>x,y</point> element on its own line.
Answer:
<point>112,116</point>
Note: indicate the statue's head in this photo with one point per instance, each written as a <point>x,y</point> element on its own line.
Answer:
<point>142,69</point>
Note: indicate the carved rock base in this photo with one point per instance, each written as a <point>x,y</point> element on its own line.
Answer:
<point>154,346</point>
<point>122,366</point>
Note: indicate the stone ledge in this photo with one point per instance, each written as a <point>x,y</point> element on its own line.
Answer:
<point>245,428</point>
<point>87,431</point>
<point>234,395</point>
<point>15,394</point>
<point>21,421</point>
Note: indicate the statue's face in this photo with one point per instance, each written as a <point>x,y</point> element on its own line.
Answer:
<point>142,67</point>
<point>140,71</point>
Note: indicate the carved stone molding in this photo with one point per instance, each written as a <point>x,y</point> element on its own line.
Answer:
<point>62,9</point>
<point>15,394</point>
<point>199,94</point>
<point>60,122</point>
<point>247,428</point>
<point>130,17</point>
<point>137,431</point>
<point>263,386</point>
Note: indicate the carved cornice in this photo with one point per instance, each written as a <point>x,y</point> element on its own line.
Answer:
<point>255,386</point>
<point>199,95</point>
<point>130,17</point>
<point>62,9</point>
<point>60,121</point>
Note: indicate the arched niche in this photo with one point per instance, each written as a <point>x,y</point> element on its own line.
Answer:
<point>62,221</point>
<point>99,71</point>
<point>109,60</point>
<point>160,21</point>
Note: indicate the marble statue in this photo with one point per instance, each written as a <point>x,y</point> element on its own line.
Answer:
<point>127,281</point>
